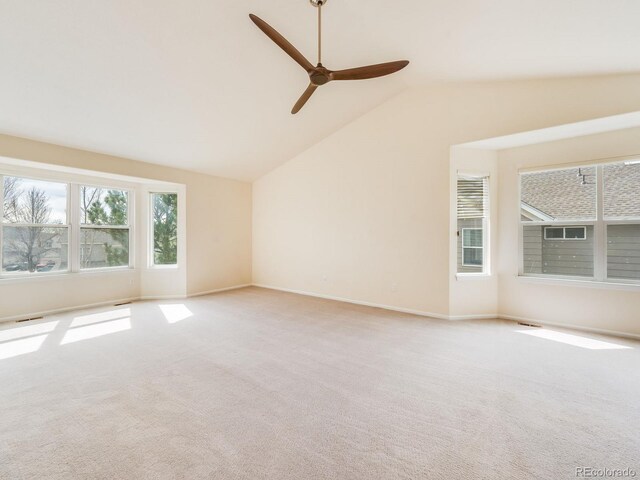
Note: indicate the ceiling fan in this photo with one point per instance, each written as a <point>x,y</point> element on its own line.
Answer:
<point>319,75</point>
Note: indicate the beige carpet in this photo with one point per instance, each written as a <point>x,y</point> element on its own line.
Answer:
<point>257,384</point>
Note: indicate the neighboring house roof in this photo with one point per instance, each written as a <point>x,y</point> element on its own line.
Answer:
<point>622,190</point>
<point>533,214</point>
<point>562,195</point>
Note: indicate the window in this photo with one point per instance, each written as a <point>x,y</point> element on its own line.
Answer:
<point>472,221</point>
<point>35,228</point>
<point>582,222</point>
<point>104,227</point>
<point>565,233</point>
<point>164,226</point>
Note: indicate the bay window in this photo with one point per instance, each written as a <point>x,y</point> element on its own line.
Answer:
<point>52,226</point>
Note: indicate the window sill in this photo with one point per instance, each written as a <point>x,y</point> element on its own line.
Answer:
<point>473,276</point>
<point>162,267</point>
<point>576,282</point>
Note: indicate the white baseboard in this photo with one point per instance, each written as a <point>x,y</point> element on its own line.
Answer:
<point>478,316</point>
<point>66,309</point>
<point>600,331</point>
<point>113,302</point>
<point>357,302</point>
<point>440,316</point>
<point>457,317</point>
<point>218,290</point>
<point>162,297</point>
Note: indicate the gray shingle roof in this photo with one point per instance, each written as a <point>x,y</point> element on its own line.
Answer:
<point>562,195</point>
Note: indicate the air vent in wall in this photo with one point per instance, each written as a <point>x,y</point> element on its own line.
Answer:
<point>29,319</point>
<point>529,325</point>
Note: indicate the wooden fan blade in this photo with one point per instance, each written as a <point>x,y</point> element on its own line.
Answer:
<point>282,42</point>
<point>303,99</point>
<point>371,71</point>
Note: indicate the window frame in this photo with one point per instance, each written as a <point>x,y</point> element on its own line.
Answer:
<point>68,225</point>
<point>130,226</point>
<point>564,232</point>
<point>600,227</point>
<point>485,268</point>
<point>150,230</point>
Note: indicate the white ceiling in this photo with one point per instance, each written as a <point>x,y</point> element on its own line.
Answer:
<point>194,84</point>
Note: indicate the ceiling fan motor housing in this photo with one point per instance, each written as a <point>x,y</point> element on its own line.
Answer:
<point>319,75</point>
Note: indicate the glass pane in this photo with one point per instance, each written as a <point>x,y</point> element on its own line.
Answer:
<point>623,251</point>
<point>556,256</point>
<point>574,232</point>
<point>104,247</point>
<point>564,195</point>
<point>622,190</point>
<point>554,232</point>
<point>473,256</point>
<point>103,206</point>
<point>472,237</point>
<point>165,228</point>
<point>465,227</point>
<point>34,249</point>
<point>34,201</point>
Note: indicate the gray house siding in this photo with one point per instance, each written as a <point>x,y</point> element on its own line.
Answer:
<point>532,249</point>
<point>557,257</point>
<point>623,251</point>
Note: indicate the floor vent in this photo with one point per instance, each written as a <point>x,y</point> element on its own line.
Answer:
<point>529,325</point>
<point>123,303</point>
<point>29,319</point>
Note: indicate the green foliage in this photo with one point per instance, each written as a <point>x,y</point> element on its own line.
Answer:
<point>117,254</point>
<point>111,211</point>
<point>165,228</point>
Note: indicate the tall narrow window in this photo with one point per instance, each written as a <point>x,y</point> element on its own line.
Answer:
<point>164,225</point>
<point>35,227</point>
<point>104,227</point>
<point>472,212</point>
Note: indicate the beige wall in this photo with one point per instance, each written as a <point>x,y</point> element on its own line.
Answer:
<point>218,237</point>
<point>611,308</point>
<point>363,215</point>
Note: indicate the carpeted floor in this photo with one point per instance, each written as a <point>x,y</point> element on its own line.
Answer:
<point>256,384</point>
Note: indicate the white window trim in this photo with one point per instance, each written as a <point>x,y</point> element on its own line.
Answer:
<point>150,233</point>
<point>600,225</point>
<point>564,232</point>
<point>486,223</point>
<point>67,225</point>
<point>130,226</point>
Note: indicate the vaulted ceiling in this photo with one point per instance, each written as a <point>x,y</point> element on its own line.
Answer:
<point>195,85</point>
